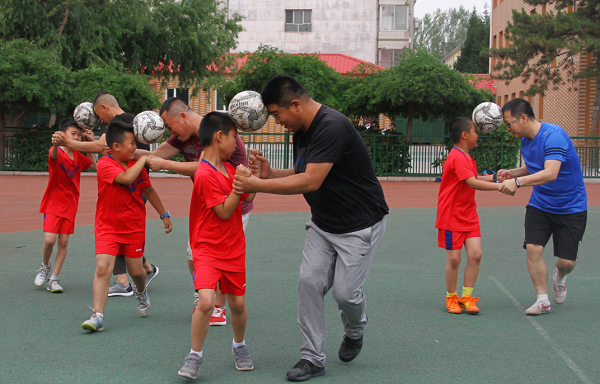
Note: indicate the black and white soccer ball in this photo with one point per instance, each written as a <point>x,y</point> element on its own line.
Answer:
<point>148,127</point>
<point>488,117</point>
<point>85,116</point>
<point>247,111</point>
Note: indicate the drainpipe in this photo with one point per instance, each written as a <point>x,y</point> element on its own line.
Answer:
<point>377,36</point>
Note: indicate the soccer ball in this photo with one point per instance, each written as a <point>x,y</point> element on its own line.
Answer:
<point>148,127</point>
<point>85,116</point>
<point>247,111</point>
<point>488,117</point>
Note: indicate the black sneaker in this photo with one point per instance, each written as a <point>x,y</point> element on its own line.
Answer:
<point>350,348</point>
<point>304,370</point>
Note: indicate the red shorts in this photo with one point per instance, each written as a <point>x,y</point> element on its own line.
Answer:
<point>206,277</point>
<point>452,240</point>
<point>132,251</point>
<point>57,224</point>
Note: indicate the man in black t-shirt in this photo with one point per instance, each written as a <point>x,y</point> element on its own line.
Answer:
<point>333,170</point>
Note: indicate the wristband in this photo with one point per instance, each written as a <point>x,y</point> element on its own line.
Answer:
<point>517,182</point>
<point>165,215</point>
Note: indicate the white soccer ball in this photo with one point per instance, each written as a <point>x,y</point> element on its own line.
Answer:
<point>148,127</point>
<point>488,117</point>
<point>247,111</point>
<point>85,116</point>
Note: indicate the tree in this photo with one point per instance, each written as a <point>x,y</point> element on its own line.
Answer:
<point>543,46</point>
<point>474,56</point>
<point>439,33</point>
<point>420,86</point>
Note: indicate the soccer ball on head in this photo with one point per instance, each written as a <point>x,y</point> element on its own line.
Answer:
<point>85,116</point>
<point>247,111</point>
<point>488,117</point>
<point>148,127</point>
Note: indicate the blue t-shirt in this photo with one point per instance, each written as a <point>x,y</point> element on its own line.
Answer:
<point>567,193</point>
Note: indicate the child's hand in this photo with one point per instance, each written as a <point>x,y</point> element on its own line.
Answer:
<point>88,135</point>
<point>168,224</point>
<point>156,163</point>
<point>59,138</point>
<point>143,159</point>
<point>243,171</point>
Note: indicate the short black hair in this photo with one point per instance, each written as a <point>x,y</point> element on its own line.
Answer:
<point>519,107</point>
<point>212,123</point>
<point>281,90</point>
<point>115,133</point>
<point>173,104</point>
<point>458,126</point>
<point>66,123</point>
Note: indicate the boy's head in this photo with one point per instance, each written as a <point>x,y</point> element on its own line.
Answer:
<point>120,138</point>
<point>70,128</point>
<point>463,129</point>
<point>217,126</point>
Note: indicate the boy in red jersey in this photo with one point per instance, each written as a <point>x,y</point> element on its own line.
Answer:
<point>60,202</point>
<point>217,240</point>
<point>457,219</point>
<point>121,219</point>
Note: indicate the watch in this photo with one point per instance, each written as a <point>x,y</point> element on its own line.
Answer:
<point>517,182</point>
<point>167,214</point>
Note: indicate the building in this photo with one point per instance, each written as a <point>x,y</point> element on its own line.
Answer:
<point>571,109</point>
<point>371,30</point>
<point>451,58</point>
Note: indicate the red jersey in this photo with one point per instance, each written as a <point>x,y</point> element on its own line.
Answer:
<point>214,241</point>
<point>62,194</point>
<point>120,211</point>
<point>456,209</point>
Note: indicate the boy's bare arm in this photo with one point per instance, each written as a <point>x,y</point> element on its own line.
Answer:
<point>54,151</point>
<point>81,146</point>
<point>482,185</point>
<point>164,151</point>
<point>129,176</point>
<point>247,172</point>
<point>250,198</point>
<point>154,199</point>
<point>92,157</point>
<point>225,209</point>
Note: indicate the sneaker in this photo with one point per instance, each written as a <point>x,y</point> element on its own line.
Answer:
<point>42,276</point>
<point>191,366</point>
<point>452,304</point>
<point>560,289</point>
<point>118,289</point>
<point>219,316</point>
<point>350,348</point>
<point>150,276</point>
<point>538,308</point>
<point>467,302</point>
<point>54,286</point>
<point>95,323</point>
<point>243,362</point>
<point>304,370</point>
<point>195,302</point>
<point>143,303</point>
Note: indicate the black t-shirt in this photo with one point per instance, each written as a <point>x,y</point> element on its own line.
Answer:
<point>351,197</point>
<point>128,118</point>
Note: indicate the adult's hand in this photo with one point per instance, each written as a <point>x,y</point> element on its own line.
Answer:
<point>59,138</point>
<point>508,187</point>
<point>155,163</point>
<point>243,184</point>
<point>259,165</point>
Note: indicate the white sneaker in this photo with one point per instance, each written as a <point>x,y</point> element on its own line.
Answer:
<point>538,308</point>
<point>54,286</point>
<point>42,276</point>
<point>560,289</point>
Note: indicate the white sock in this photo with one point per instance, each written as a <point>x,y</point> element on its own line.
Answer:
<point>54,277</point>
<point>196,352</point>
<point>559,280</point>
<point>100,315</point>
<point>46,266</point>
<point>237,345</point>
<point>543,297</point>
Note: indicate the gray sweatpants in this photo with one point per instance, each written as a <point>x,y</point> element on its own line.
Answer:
<point>340,261</point>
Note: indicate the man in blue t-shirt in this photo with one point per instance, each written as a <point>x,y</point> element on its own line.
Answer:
<point>558,204</point>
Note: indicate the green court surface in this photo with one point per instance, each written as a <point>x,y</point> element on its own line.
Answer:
<point>410,338</point>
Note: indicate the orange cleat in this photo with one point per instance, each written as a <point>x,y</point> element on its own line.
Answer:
<point>452,304</point>
<point>468,303</point>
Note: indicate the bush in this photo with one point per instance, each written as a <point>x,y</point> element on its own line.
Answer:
<point>389,152</point>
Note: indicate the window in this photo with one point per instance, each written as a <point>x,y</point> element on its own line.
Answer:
<point>221,106</point>
<point>393,18</point>
<point>182,93</point>
<point>388,58</point>
<point>298,20</point>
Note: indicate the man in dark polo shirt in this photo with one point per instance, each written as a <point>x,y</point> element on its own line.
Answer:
<point>333,170</point>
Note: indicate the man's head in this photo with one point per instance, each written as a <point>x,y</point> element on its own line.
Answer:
<point>463,129</point>
<point>518,117</point>
<point>70,128</point>
<point>217,131</point>
<point>120,138</point>
<point>181,121</point>
<point>106,107</point>
<point>285,98</point>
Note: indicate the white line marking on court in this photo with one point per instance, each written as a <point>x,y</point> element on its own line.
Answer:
<point>574,367</point>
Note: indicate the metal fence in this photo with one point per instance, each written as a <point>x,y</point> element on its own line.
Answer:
<point>391,155</point>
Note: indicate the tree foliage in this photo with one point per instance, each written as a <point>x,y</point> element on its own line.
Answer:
<point>440,32</point>
<point>474,56</point>
<point>543,47</point>
<point>420,86</point>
